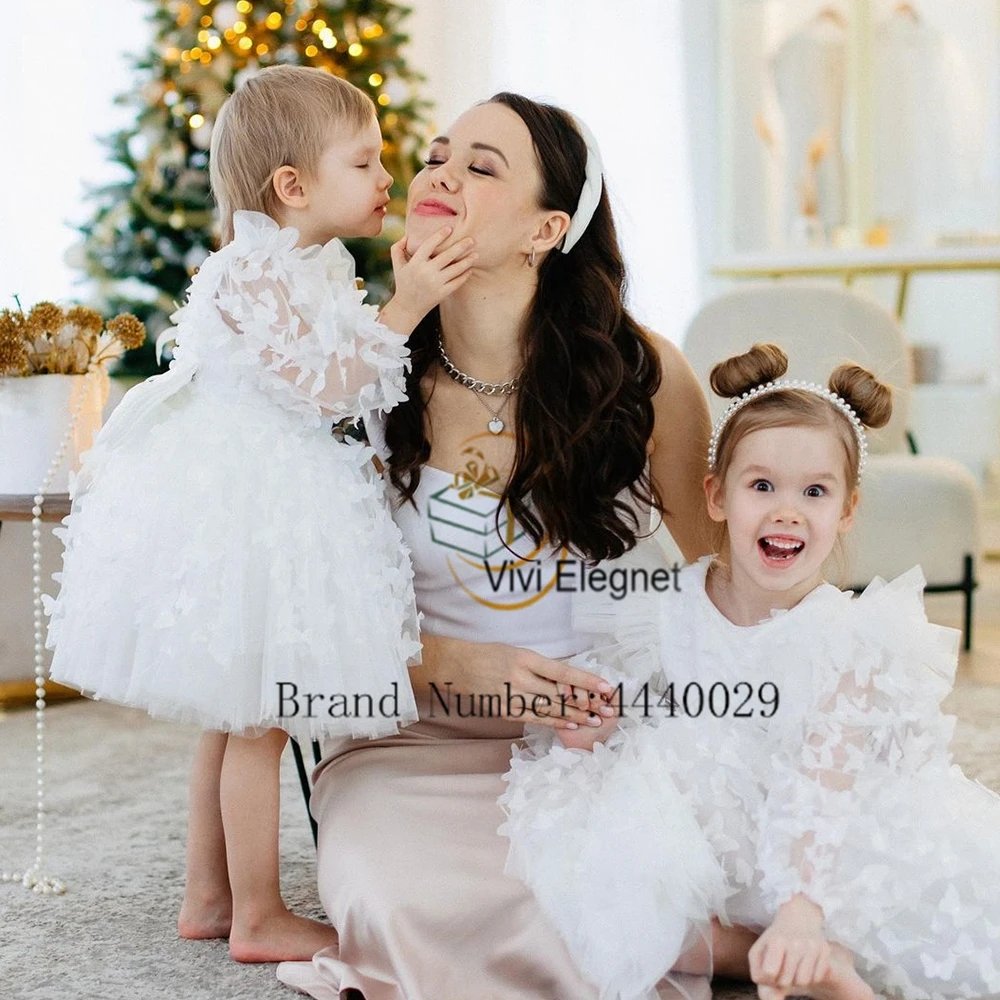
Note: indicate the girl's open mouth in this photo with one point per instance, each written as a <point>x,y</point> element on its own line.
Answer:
<point>779,550</point>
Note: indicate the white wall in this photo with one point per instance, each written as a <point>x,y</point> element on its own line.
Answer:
<point>60,68</point>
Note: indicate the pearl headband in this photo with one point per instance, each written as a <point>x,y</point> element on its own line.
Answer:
<point>768,387</point>
<point>590,194</point>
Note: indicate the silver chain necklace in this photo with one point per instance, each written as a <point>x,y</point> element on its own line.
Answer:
<point>481,388</point>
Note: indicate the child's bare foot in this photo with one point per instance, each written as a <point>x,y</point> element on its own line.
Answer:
<point>841,982</point>
<point>280,936</point>
<point>206,918</point>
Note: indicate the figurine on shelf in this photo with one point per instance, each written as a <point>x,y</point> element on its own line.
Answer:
<point>807,226</point>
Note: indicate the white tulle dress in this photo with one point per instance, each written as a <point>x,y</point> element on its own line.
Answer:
<point>846,793</point>
<point>221,541</point>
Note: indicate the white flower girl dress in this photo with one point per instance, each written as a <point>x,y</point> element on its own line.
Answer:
<point>221,542</point>
<point>841,787</point>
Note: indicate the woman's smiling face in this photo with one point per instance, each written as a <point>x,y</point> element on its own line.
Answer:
<point>482,179</point>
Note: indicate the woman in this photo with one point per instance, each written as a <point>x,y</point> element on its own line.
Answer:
<point>532,384</point>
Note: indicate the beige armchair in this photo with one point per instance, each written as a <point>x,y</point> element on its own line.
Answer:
<point>914,508</point>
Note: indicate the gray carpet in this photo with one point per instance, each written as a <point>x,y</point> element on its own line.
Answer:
<point>117,814</point>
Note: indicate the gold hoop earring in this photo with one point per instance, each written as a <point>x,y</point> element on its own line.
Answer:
<point>531,258</point>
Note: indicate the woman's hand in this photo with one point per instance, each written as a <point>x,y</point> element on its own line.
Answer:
<point>425,279</point>
<point>793,951</point>
<point>523,685</point>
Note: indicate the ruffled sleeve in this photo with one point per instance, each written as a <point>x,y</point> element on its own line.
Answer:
<point>883,671</point>
<point>627,634</point>
<point>308,337</point>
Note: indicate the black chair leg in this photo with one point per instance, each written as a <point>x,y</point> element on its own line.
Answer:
<point>968,585</point>
<point>300,766</point>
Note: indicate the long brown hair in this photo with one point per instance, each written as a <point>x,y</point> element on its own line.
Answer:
<point>584,412</point>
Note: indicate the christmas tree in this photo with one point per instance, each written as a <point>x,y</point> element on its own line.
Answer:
<point>152,229</point>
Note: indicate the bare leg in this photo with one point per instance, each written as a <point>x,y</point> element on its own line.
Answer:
<point>841,982</point>
<point>207,910</point>
<point>730,948</point>
<point>263,928</point>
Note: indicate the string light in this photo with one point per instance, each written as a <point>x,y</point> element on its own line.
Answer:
<point>355,49</point>
<point>311,51</point>
<point>214,42</point>
<point>384,99</point>
<point>263,49</point>
<point>375,79</point>
<point>246,44</point>
<point>274,20</point>
<point>206,21</point>
<point>319,25</point>
<point>196,121</point>
<point>244,6</point>
<point>239,27</point>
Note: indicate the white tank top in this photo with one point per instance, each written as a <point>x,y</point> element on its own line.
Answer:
<point>468,583</point>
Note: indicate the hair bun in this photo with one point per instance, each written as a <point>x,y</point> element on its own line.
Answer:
<point>870,399</point>
<point>762,363</point>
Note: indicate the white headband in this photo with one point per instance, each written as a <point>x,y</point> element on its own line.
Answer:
<point>814,387</point>
<point>590,194</point>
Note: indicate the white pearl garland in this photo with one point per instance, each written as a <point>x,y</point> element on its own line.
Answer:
<point>34,878</point>
<point>768,387</point>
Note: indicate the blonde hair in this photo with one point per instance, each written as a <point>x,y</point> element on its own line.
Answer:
<point>870,399</point>
<point>281,116</point>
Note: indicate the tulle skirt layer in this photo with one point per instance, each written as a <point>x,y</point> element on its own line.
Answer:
<point>232,567</point>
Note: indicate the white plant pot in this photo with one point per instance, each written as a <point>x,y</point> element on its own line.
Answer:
<point>35,413</point>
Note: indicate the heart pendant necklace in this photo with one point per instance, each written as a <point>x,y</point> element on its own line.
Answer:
<point>480,388</point>
<point>496,425</point>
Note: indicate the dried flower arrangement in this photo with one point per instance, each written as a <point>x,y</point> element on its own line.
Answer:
<point>49,340</point>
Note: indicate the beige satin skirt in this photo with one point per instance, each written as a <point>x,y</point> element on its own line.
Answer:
<point>411,876</point>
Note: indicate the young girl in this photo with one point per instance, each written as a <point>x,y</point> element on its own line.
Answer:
<point>781,767</point>
<point>227,561</point>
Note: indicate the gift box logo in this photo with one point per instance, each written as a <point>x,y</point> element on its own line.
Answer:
<point>463,515</point>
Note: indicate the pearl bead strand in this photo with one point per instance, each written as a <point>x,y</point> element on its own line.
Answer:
<point>34,878</point>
